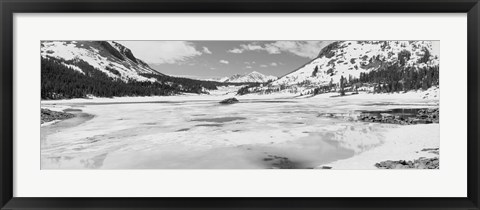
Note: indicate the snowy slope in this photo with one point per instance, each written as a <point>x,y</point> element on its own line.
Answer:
<point>223,79</point>
<point>217,79</point>
<point>350,58</point>
<point>254,76</point>
<point>113,59</point>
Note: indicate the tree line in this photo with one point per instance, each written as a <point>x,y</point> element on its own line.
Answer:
<point>397,78</point>
<point>59,81</point>
<point>387,79</point>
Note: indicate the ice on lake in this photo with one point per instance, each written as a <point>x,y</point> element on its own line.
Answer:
<point>203,134</point>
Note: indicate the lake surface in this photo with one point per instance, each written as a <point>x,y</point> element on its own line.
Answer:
<point>252,134</point>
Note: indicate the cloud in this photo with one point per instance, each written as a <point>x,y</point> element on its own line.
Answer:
<point>270,64</point>
<point>224,61</point>
<point>236,50</point>
<point>251,47</point>
<point>307,49</point>
<point>272,49</point>
<point>245,47</point>
<point>206,50</point>
<point>248,67</point>
<point>159,52</point>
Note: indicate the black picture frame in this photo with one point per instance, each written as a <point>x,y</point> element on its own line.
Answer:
<point>9,7</point>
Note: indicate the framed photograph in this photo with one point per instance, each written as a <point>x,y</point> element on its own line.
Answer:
<point>239,105</point>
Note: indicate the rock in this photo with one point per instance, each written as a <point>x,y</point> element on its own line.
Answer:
<point>49,115</point>
<point>430,149</point>
<point>423,116</point>
<point>229,101</point>
<point>421,163</point>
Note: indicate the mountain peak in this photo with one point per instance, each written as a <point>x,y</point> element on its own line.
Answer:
<point>349,59</point>
<point>109,57</point>
<point>252,77</point>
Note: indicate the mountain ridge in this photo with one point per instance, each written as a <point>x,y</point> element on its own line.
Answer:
<point>344,62</point>
<point>109,57</point>
<point>79,69</point>
<point>332,57</point>
<point>252,77</point>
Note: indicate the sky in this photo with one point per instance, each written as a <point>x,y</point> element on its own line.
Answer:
<point>217,59</point>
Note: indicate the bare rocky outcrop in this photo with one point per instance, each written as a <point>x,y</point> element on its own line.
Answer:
<point>49,115</point>
<point>424,116</point>
<point>421,163</point>
<point>229,101</point>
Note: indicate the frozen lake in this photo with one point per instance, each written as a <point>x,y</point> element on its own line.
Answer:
<point>203,134</point>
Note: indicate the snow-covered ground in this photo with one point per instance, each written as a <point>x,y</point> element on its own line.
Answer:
<point>262,131</point>
<point>403,143</point>
<point>49,123</point>
<point>220,94</point>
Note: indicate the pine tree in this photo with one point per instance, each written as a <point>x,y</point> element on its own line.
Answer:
<point>342,86</point>
<point>315,71</point>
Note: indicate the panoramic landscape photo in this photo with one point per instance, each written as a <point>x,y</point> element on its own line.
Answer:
<point>290,104</point>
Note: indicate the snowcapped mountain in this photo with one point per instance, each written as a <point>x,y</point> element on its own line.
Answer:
<point>223,79</point>
<point>351,58</point>
<point>345,58</point>
<point>214,79</point>
<point>79,69</point>
<point>109,57</point>
<point>253,77</point>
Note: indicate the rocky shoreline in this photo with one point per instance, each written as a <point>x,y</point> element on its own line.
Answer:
<point>423,116</point>
<point>421,163</point>
<point>49,115</point>
<point>400,116</point>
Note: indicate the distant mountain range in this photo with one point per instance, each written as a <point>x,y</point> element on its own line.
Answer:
<point>252,77</point>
